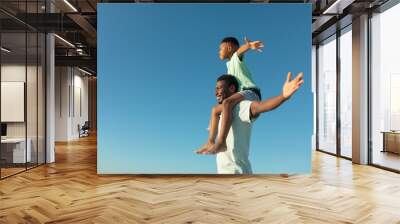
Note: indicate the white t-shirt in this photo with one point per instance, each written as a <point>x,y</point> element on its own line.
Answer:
<point>235,160</point>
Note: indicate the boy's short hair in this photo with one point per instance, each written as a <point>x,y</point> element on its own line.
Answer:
<point>230,80</point>
<point>231,40</point>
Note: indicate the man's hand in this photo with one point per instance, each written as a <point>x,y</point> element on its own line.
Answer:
<point>291,86</point>
<point>255,45</point>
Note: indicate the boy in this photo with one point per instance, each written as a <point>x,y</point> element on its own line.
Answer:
<point>230,50</point>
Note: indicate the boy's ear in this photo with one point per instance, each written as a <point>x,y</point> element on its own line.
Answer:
<point>229,47</point>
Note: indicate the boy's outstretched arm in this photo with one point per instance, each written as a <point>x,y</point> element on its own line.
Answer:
<point>255,45</point>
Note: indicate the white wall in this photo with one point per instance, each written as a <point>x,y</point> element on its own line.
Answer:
<point>62,81</point>
<point>16,72</point>
<point>33,127</point>
<point>13,72</point>
<point>70,83</point>
<point>13,101</point>
<point>79,117</point>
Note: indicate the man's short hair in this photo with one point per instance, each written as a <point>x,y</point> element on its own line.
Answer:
<point>231,40</point>
<point>229,80</point>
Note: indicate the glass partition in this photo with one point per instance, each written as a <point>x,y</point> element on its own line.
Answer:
<point>41,107</point>
<point>32,95</point>
<point>22,77</point>
<point>14,151</point>
<point>327,95</point>
<point>346,92</point>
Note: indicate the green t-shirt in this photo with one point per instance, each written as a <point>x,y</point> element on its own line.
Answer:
<point>239,69</point>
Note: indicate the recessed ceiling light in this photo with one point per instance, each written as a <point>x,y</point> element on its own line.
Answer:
<point>84,71</point>
<point>65,41</point>
<point>5,50</point>
<point>338,6</point>
<point>70,5</point>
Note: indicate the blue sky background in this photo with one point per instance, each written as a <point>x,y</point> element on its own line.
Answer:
<point>157,68</point>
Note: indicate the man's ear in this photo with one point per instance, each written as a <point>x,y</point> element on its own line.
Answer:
<point>232,88</point>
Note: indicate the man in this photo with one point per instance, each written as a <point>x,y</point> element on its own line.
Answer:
<point>235,160</point>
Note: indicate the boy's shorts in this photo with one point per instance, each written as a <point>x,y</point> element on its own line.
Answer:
<point>251,94</point>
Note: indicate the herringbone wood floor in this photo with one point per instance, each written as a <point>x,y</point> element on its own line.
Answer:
<point>70,191</point>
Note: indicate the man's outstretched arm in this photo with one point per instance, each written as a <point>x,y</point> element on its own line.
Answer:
<point>289,88</point>
<point>256,108</point>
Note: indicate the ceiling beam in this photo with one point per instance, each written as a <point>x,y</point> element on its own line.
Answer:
<point>86,26</point>
<point>82,61</point>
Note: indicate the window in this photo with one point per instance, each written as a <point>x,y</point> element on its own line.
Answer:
<point>385,89</point>
<point>327,95</point>
<point>346,92</point>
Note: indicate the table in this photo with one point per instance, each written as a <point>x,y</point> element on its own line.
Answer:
<point>16,153</point>
<point>391,141</point>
